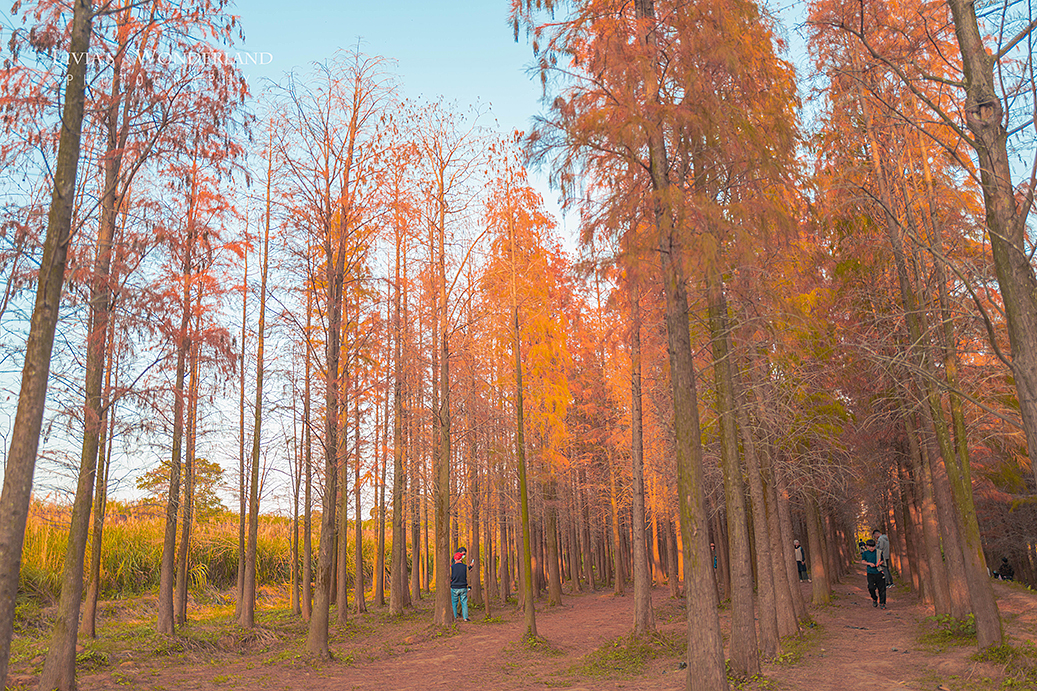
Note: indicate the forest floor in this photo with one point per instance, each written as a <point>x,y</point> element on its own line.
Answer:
<point>587,646</point>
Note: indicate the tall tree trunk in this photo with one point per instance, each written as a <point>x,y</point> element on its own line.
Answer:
<point>505,550</point>
<point>617,567</point>
<point>441,472</point>
<point>242,476</point>
<point>358,580</point>
<point>248,606</point>
<point>317,636</point>
<point>166,623</point>
<point>25,434</point>
<point>417,562</point>
<point>187,501</point>
<point>295,448</point>
<point>474,488</point>
<point>937,583</point>
<point>59,668</point>
<point>818,564</point>
<point>644,617</point>
<point>89,625</point>
<point>398,583</point>
<point>382,450</point>
<point>554,579</point>
<point>705,654</point>
<point>1007,230</point>
<point>673,577</point>
<point>788,617</point>
<point>526,559</point>
<point>307,521</point>
<point>341,545</point>
<point>765,585</point>
<point>334,246</point>
<point>745,658</point>
<point>489,562</point>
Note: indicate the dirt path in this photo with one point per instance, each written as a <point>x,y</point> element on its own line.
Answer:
<point>854,646</point>
<point>860,646</point>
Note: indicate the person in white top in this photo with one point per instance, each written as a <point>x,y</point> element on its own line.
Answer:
<point>882,547</point>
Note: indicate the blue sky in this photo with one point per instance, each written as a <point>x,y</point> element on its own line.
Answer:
<point>462,50</point>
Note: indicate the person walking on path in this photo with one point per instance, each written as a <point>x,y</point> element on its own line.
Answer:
<point>459,585</point>
<point>801,561</point>
<point>882,547</point>
<point>876,578</point>
<point>1005,572</point>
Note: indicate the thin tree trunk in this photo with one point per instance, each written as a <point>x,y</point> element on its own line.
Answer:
<point>187,501</point>
<point>398,583</point>
<point>89,625</point>
<point>359,603</point>
<point>489,562</point>
<point>474,488</point>
<point>248,607</point>
<point>307,521</point>
<point>383,451</point>
<point>818,563</point>
<point>788,617</point>
<point>505,550</point>
<point>242,477</point>
<point>296,448</point>
<point>525,563</point>
<point>341,600</point>
<point>939,588</point>
<point>765,585</point>
<point>441,472</point>
<point>673,578</point>
<point>166,623</point>
<point>644,617</point>
<point>554,580</point>
<point>617,568</point>
<point>335,260</point>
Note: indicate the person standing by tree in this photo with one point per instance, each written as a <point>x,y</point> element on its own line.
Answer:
<point>872,559</point>
<point>801,561</point>
<point>459,585</point>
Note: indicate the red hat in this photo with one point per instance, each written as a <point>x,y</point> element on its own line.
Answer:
<point>458,556</point>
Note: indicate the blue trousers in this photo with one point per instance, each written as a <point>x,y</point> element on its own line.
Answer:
<point>459,595</point>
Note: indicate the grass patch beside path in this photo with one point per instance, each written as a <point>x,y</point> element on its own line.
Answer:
<point>793,647</point>
<point>628,656</point>
<point>1018,662</point>
<point>945,631</point>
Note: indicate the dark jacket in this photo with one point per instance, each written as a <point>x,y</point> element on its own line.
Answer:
<point>458,575</point>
